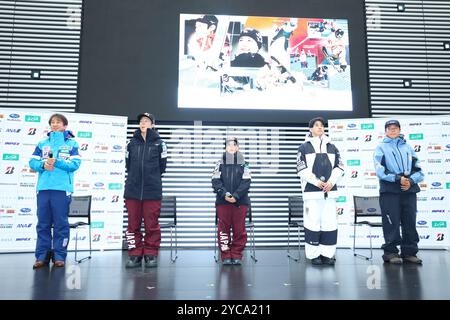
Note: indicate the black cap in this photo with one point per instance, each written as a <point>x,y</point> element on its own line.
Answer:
<point>148,115</point>
<point>231,139</point>
<point>391,123</point>
<point>314,120</point>
<point>254,34</point>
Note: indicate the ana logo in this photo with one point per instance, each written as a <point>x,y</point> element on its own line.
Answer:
<point>117,147</point>
<point>340,211</point>
<point>116,161</point>
<point>351,125</point>
<point>352,138</point>
<point>79,238</point>
<point>417,148</point>
<point>368,138</point>
<point>10,157</point>
<point>421,222</point>
<point>24,225</point>
<point>14,116</point>
<point>13,130</point>
<point>440,237</point>
<point>115,199</point>
<point>29,118</point>
<point>354,174</point>
<point>439,224</point>
<point>98,198</point>
<point>9,170</point>
<point>437,198</point>
<point>84,146</point>
<point>416,136</point>
<point>31,131</point>
<point>422,237</point>
<point>25,210</point>
<point>367,126</point>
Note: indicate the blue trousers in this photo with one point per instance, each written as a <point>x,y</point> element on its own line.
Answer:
<point>52,210</point>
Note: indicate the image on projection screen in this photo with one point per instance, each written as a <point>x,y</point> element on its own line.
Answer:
<point>265,63</point>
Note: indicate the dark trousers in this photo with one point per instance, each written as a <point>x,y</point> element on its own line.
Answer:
<point>52,211</point>
<point>231,217</point>
<point>399,210</point>
<point>149,210</point>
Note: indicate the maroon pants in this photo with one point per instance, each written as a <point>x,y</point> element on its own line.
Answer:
<point>148,210</point>
<point>231,217</point>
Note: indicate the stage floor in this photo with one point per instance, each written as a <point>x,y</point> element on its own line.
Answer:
<point>196,276</point>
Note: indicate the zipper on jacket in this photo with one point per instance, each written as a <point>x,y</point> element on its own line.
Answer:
<point>396,161</point>
<point>401,158</point>
<point>142,171</point>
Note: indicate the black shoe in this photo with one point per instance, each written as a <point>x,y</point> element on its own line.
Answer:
<point>326,260</point>
<point>150,261</point>
<point>316,261</point>
<point>412,259</point>
<point>236,262</point>
<point>134,262</point>
<point>392,258</point>
<point>227,262</point>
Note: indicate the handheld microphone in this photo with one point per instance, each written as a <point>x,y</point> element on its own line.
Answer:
<point>50,154</point>
<point>322,178</point>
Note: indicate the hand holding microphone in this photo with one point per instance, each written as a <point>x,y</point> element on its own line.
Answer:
<point>49,164</point>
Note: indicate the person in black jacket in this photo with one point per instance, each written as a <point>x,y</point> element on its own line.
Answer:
<point>145,162</point>
<point>231,182</point>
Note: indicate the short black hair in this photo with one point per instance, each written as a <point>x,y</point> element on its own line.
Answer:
<point>209,20</point>
<point>60,117</point>
<point>314,120</point>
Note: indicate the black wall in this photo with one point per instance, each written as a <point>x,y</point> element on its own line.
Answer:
<point>129,56</point>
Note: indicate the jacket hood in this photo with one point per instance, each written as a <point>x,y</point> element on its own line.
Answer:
<point>324,138</point>
<point>400,138</point>
<point>152,135</point>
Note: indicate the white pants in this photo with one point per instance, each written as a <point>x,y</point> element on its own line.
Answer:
<point>320,221</point>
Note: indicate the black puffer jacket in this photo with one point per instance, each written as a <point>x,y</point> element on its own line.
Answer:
<point>232,174</point>
<point>146,162</point>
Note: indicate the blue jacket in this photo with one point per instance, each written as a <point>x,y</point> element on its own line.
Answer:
<point>393,159</point>
<point>65,150</point>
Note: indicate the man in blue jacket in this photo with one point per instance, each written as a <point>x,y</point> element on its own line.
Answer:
<point>398,169</point>
<point>55,159</point>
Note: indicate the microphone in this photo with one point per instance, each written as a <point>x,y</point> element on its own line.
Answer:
<point>50,154</point>
<point>322,178</point>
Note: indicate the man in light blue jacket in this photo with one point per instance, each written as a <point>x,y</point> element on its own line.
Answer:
<point>399,172</point>
<point>55,159</point>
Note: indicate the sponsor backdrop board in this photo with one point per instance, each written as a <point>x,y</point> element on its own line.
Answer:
<point>430,137</point>
<point>102,141</point>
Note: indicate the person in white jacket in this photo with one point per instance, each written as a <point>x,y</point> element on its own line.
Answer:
<point>320,167</point>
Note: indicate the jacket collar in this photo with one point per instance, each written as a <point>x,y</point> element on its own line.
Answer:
<point>152,135</point>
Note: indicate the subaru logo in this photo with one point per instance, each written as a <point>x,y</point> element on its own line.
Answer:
<point>25,210</point>
<point>99,184</point>
<point>117,147</point>
<point>421,222</point>
<point>351,125</point>
<point>448,146</point>
<point>436,184</point>
<point>371,210</point>
<point>14,115</point>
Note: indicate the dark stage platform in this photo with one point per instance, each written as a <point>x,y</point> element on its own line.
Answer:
<point>196,276</point>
